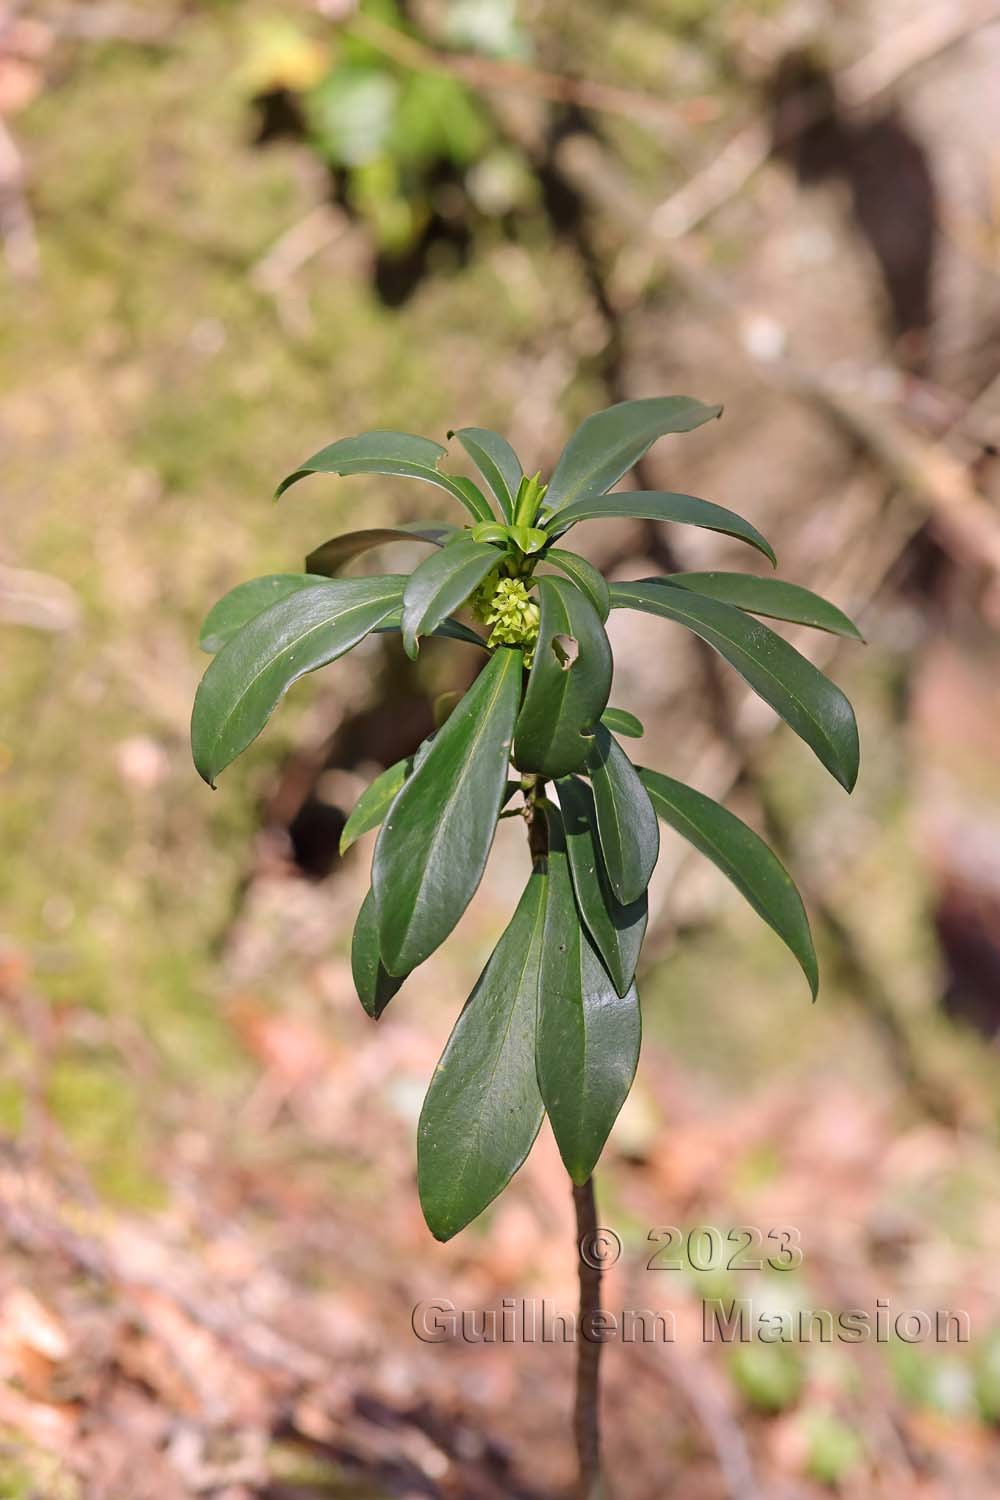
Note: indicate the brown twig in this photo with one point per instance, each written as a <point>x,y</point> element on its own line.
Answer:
<point>586,1414</point>
<point>924,469</point>
<point>496,74</point>
<point>17,227</point>
<point>857,86</point>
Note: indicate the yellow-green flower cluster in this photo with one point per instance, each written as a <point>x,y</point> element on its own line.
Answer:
<point>504,604</point>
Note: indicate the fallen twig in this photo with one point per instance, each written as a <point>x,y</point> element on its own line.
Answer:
<point>17,226</point>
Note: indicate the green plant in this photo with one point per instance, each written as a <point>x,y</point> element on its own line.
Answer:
<point>553,1024</point>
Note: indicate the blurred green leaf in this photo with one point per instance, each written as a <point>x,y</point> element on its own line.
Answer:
<point>770,1376</point>
<point>351,114</point>
<point>834,1450</point>
<point>487,26</point>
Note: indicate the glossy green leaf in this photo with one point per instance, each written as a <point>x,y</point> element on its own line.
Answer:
<point>332,555</point>
<point>483,1109</point>
<point>587,1039</point>
<point>770,597</point>
<point>568,685</point>
<point>620,721</point>
<point>616,931</point>
<point>257,666</point>
<point>452,630</point>
<point>374,984</point>
<point>529,539</point>
<point>245,602</point>
<point>442,583</point>
<point>743,857</point>
<point>496,461</point>
<point>586,577</point>
<point>432,849</point>
<point>627,829</point>
<point>491,531</point>
<point>607,444</point>
<point>393,453</point>
<point>374,802</point>
<point>654,505</point>
<point>797,691</point>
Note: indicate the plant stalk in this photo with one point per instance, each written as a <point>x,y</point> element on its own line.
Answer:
<point>586,1416</point>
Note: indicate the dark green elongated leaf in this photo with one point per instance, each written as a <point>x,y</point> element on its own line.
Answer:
<point>247,600</point>
<point>256,667</point>
<point>332,555</point>
<point>606,445</point>
<point>568,685</point>
<point>390,453</point>
<point>496,461</point>
<point>797,691</point>
<point>442,583</point>
<point>432,849</point>
<point>483,1109</point>
<point>374,802</point>
<point>627,829</point>
<point>652,505</point>
<point>452,630</point>
<point>616,931</point>
<point>620,721</point>
<point>587,1038</point>
<point>586,577</point>
<point>742,856</point>
<point>374,984</point>
<point>771,597</point>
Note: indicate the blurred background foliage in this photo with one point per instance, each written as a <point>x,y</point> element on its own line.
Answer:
<point>233,232</point>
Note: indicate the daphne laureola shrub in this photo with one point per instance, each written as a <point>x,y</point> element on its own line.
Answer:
<point>553,1023</point>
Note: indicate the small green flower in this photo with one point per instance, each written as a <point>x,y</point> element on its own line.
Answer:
<point>504,604</point>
